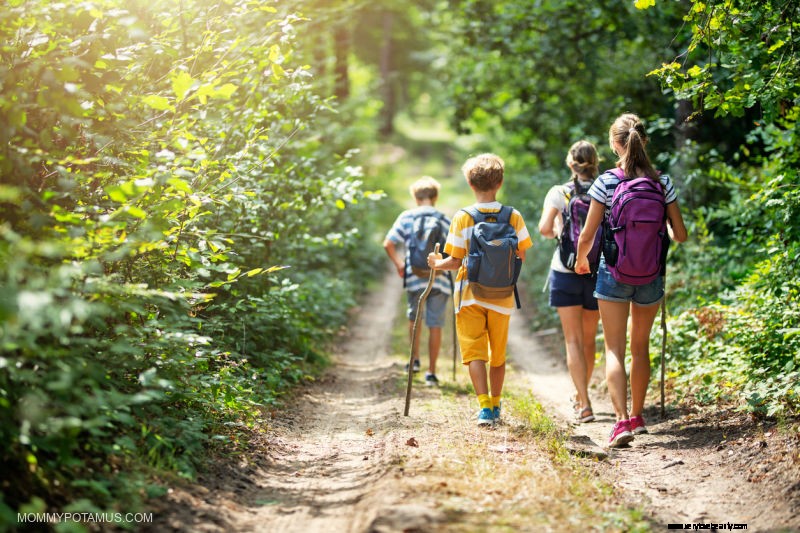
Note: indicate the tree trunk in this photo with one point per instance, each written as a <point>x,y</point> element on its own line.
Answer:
<point>387,75</point>
<point>341,44</point>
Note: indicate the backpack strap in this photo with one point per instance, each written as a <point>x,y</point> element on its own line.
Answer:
<point>504,216</point>
<point>618,172</point>
<point>475,213</point>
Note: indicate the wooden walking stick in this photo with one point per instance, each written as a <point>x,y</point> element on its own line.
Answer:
<point>663,346</point>
<point>455,341</point>
<point>414,335</point>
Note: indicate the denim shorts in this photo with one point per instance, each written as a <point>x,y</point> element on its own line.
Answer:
<point>435,306</point>
<point>611,290</point>
<point>568,289</point>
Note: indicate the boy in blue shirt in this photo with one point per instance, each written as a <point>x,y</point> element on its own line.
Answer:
<point>425,192</point>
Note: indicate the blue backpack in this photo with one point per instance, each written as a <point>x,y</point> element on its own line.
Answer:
<point>492,262</point>
<point>426,231</point>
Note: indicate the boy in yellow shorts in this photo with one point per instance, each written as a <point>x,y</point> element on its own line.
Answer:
<point>481,322</point>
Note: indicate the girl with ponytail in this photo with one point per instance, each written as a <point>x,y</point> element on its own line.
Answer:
<point>618,300</point>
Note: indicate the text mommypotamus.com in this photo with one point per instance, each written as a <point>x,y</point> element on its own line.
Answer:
<point>54,518</point>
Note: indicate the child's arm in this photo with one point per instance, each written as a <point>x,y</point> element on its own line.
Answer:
<point>550,223</point>
<point>676,227</point>
<point>436,262</point>
<point>593,220</point>
<point>391,251</point>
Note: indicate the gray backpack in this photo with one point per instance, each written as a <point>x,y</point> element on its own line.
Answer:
<point>492,262</point>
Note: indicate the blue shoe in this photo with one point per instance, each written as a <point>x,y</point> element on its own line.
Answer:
<point>496,412</point>
<point>486,417</point>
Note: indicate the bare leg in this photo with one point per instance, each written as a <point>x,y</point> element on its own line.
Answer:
<point>477,373</point>
<point>497,375</point>
<point>615,321</point>
<point>572,325</point>
<point>590,320</point>
<point>434,344</point>
<point>642,318</point>
<point>415,342</point>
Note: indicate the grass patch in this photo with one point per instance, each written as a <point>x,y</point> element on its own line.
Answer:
<point>515,477</point>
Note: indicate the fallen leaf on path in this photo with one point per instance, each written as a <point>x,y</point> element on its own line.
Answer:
<point>369,432</point>
<point>412,442</point>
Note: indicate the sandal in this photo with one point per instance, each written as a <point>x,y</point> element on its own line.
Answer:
<point>574,401</point>
<point>585,415</point>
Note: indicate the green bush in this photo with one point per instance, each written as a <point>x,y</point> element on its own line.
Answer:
<point>178,247</point>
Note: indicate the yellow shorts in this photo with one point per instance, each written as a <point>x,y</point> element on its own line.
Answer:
<point>482,335</point>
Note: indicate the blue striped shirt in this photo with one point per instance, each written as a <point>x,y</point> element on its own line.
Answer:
<point>606,183</point>
<point>400,233</point>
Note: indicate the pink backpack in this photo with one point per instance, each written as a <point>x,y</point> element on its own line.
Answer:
<point>635,236</point>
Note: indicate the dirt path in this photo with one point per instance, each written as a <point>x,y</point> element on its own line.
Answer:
<point>691,467</point>
<point>334,462</point>
<point>323,467</point>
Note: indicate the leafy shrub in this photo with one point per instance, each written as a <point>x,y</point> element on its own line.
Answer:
<point>177,245</point>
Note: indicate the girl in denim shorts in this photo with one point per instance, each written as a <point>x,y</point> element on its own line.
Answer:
<point>618,301</point>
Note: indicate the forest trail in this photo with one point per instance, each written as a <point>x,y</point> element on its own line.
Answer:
<point>342,458</point>
<point>690,468</point>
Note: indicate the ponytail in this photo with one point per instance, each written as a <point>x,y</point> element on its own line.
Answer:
<point>583,161</point>
<point>628,132</point>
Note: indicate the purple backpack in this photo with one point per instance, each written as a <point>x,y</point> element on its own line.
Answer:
<point>636,238</point>
<point>574,217</point>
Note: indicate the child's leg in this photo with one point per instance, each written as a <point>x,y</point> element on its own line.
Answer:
<point>434,344</point>
<point>472,338</point>
<point>415,347</point>
<point>615,328</point>
<point>572,326</point>
<point>642,318</point>
<point>412,298</point>
<point>497,326</point>
<point>477,374</point>
<point>436,307</point>
<point>590,320</point>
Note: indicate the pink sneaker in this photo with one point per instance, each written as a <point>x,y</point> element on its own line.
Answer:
<point>620,434</point>
<point>637,425</point>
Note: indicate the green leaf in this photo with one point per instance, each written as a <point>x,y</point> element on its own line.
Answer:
<point>225,91</point>
<point>116,194</point>
<point>277,71</point>
<point>180,185</point>
<point>181,83</point>
<point>695,71</point>
<point>159,103</point>
<point>137,212</point>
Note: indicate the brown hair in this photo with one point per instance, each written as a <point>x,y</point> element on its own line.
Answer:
<point>628,131</point>
<point>425,188</point>
<point>582,160</point>
<point>484,171</point>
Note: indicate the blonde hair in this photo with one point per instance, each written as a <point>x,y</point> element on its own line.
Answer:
<point>628,132</point>
<point>484,171</point>
<point>425,188</point>
<point>583,161</point>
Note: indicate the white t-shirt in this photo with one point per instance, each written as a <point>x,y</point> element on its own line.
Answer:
<point>557,198</point>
